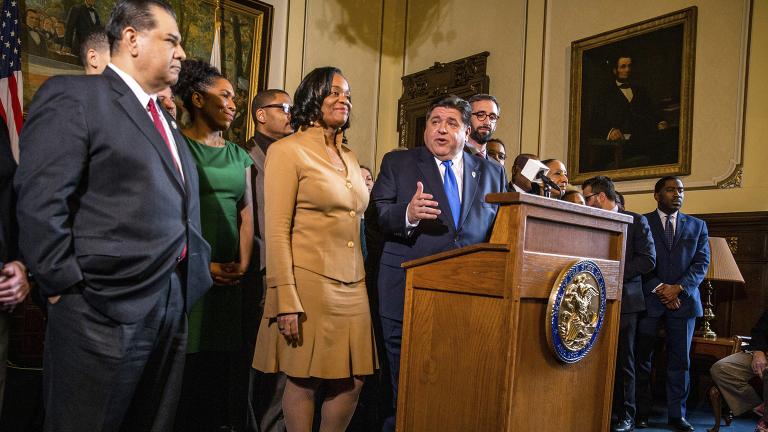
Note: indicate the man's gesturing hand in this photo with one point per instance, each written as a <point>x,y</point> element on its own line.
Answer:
<point>422,206</point>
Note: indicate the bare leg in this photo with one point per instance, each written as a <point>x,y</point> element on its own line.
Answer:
<point>340,403</point>
<point>299,403</point>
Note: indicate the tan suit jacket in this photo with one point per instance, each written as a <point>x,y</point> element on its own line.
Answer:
<point>312,216</point>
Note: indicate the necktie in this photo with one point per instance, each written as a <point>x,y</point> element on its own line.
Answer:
<point>451,187</point>
<point>669,232</point>
<point>159,126</point>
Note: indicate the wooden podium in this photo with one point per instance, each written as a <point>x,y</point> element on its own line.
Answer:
<point>475,355</point>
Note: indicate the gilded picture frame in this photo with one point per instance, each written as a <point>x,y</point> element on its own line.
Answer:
<point>245,44</point>
<point>631,100</point>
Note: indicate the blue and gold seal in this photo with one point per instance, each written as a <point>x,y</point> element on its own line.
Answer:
<point>575,311</point>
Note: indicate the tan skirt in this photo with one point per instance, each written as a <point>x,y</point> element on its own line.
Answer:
<point>335,333</point>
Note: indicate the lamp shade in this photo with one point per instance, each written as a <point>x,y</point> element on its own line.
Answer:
<point>722,265</point>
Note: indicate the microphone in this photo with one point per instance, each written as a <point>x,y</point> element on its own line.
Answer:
<point>547,181</point>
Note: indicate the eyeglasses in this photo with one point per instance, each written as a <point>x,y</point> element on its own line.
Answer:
<point>283,106</point>
<point>481,115</point>
<point>587,197</point>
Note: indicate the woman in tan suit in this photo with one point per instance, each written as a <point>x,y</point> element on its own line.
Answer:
<point>316,326</point>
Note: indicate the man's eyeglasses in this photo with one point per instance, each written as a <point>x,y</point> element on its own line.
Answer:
<point>587,197</point>
<point>283,106</point>
<point>481,115</point>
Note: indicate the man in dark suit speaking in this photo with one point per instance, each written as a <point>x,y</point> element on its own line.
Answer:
<point>110,227</point>
<point>671,295</point>
<point>429,199</point>
<point>639,258</point>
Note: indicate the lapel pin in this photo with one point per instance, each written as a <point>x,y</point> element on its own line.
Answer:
<point>173,125</point>
<point>473,174</point>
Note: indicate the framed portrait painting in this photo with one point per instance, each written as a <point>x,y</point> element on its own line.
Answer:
<point>52,30</point>
<point>631,100</point>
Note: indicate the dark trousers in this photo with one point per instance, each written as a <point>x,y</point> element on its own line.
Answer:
<point>679,334</point>
<point>392,332</point>
<point>102,375</point>
<point>624,385</point>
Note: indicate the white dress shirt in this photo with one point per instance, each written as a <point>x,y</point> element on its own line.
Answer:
<point>673,217</point>
<point>458,170</point>
<point>144,99</point>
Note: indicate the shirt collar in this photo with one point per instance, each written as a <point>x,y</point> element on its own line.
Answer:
<point>141,95</point>
<point>456,159</point>
<point>615,208</point>
<point>663,215</point>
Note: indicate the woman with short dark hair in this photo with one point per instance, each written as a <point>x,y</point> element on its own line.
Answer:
<point>316,326</point>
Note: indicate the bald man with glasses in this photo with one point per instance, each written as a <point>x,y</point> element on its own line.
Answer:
<point>271,111</point>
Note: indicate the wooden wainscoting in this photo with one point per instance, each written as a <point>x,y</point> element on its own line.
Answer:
<point>737,306</point>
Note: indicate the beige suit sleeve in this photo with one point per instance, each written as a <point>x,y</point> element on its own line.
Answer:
<point>281,184</point>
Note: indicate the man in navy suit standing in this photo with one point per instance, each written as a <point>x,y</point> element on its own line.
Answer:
<point>428,200</point>
<point>672,296</point>
<point>639,258</point>
<point>109,217</point>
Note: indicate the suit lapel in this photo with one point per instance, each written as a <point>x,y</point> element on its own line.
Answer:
<point>433,184</point>
<point>681,220</point>
<point>472,174</point>
<point>139,116</point>
<point>656,228</point>
<point>185,157</point>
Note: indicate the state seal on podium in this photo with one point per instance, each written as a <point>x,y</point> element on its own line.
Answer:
<point>575,311</point>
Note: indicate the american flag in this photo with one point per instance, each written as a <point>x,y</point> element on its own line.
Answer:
<point>11,84</point>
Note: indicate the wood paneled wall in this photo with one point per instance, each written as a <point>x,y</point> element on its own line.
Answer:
<point>737,306</point>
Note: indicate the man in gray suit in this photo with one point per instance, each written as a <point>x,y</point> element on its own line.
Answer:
<point>271,110</point>
<point>109,217</point>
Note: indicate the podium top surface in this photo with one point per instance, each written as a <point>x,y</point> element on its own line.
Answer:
<point>555,204</point>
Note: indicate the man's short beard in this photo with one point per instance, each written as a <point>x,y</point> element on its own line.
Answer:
<point>480,139</point>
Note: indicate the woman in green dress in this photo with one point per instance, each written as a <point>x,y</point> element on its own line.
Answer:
<point>215,377</point>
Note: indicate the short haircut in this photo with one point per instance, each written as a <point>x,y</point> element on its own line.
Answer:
<point>662,181</point>
<point>615,59</point>
<point>455,102</point>
<point>96,40</point>
<point>496,140</point>
<point>133,13</point>
<point>620,198</point>
<point>482,97</point>
<point>309,97</point>
<point>367,169</point>
<point>264,97</point>
<point>569,192</point>
<point>195,76</point>
<point>522,159</point>
<point>601,184</point>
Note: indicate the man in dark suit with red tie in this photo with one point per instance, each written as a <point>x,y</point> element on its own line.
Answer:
<point>672,296</point>
<point>109,217</point>
<point>428,200</point>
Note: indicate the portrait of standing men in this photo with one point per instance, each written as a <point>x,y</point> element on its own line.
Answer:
<point>81,21</point>
<point>631,100</point>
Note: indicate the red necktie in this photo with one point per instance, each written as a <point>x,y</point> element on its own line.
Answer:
<point>159,126</point>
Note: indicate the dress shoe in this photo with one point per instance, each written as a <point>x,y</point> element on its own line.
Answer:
<point>641,423</point>
<point>625,425</point>
<point>680,424</point>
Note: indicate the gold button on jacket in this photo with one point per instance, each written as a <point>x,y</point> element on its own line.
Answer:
<point>308,204</point>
